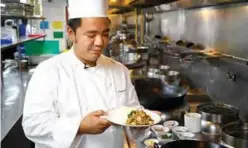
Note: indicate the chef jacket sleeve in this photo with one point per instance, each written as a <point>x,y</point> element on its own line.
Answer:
<point>132,98</point>
<point>41,121</point>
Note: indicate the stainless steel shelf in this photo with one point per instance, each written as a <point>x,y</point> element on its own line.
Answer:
<point>22,40</point>
<point>19,17</point>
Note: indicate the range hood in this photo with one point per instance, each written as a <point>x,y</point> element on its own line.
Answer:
<point>190,4</point>
<point>148,3</point>
<point>123,6</point>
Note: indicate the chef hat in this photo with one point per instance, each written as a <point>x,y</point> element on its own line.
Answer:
<point>87,8</point>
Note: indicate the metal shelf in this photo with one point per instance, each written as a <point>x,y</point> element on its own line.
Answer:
<point>19,17</point>
<point>21,40</point>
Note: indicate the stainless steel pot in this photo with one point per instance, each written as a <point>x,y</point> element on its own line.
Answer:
<point>153,72</point>
<point>164,68</point>
<point>171,77</point>
<point>235,134</point>
<point>215,115</point>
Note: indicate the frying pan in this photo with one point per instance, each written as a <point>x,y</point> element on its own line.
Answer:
<point>190,144</point>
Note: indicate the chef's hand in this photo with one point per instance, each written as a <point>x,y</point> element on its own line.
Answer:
<point>93,123</point>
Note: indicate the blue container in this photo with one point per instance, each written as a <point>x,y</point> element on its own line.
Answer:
<point>6,41</point>
<point>22,30</point>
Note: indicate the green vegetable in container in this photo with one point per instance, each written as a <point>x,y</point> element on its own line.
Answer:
<point>167,136</point>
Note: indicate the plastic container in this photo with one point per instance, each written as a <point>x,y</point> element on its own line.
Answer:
<point>22,30</point>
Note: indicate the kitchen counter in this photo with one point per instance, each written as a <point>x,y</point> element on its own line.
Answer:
<point>12,98</point>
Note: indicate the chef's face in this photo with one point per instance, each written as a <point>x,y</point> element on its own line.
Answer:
<point>90,38</point>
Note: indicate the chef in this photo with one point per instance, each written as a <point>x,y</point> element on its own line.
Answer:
<point>69,93</point>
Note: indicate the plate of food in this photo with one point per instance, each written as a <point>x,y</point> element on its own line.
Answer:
<point>133,117</point>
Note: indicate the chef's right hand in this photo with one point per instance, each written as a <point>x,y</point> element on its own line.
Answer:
<point>93,123</point>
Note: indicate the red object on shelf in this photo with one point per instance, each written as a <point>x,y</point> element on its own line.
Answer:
<point>35,35</point>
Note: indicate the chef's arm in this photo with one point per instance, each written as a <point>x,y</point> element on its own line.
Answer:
<point>41,121</point>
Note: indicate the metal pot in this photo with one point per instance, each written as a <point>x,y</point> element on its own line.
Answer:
<point>235,134</point>
<point>171,77</point>
<point>164,67</point>
<point>215,115</point>
<point>153,73</point>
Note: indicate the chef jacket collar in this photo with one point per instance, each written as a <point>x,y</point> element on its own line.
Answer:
<point>77,62</point>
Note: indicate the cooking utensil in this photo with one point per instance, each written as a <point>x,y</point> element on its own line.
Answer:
<point>190,144</point>
<point>235,134</point>
<point>171,76</point>
<point>164,67</point>
<point>153,72</point>
<point>219,113</point>
<point>157,95</point>
<point>215,115</point>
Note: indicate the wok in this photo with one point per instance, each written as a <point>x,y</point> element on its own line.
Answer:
<point>190,144</point>
<point>154,94</point>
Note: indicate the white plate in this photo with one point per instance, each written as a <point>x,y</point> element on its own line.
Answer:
<point>148,142</point>
<point>163,130</point>
<point>179,129</point>
<point>186,135</point>
<point>171,124</point>
<point>119,116</point>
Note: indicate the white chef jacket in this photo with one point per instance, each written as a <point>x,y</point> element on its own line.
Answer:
<point>61,92</point>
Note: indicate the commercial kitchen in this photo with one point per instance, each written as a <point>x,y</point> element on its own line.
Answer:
<point>186,59</point>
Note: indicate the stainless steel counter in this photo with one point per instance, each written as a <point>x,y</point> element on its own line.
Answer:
<point>12,98</point>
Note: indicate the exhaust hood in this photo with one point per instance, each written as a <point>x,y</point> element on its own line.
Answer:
<point>148,3</point>
<point>190,4</point>
<point>123,6</point>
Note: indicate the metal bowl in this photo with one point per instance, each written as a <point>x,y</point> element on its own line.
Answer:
<point>137,134</point>
<point>171,76</point>
<point>164,67</point>
<point>210,128</point>
<point>154,70</point>
<point>153,75</point>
